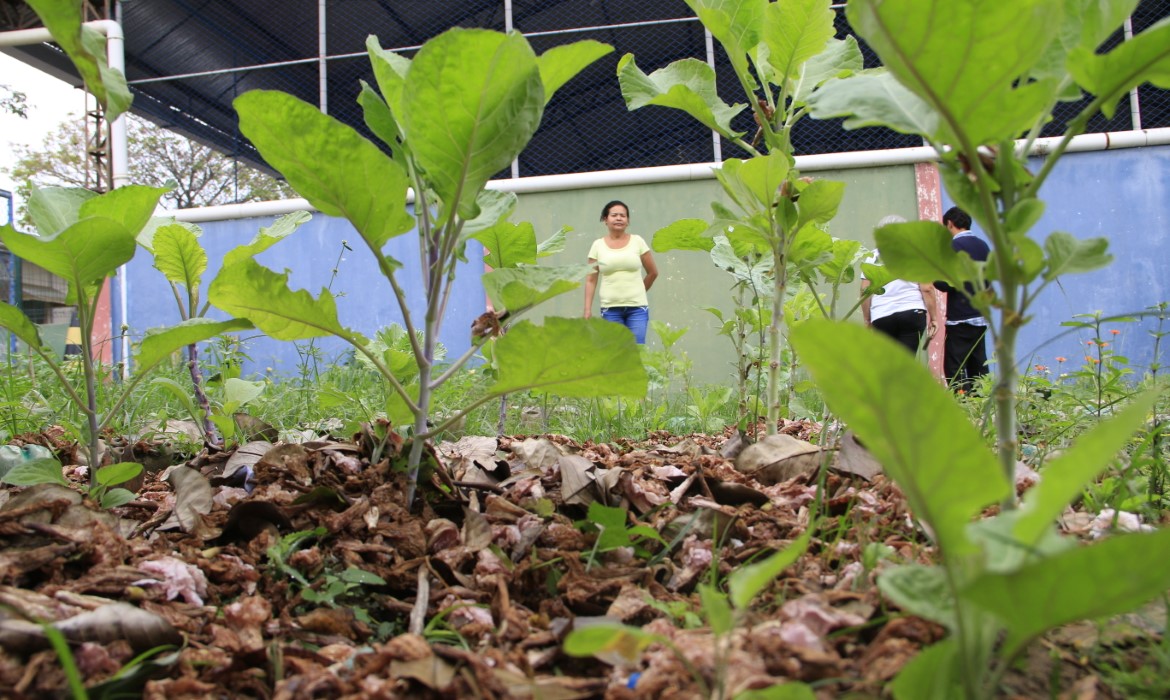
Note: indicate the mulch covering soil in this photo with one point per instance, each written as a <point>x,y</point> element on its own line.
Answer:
<point>298,571</point>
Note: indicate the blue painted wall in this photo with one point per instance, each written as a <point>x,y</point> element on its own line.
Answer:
<point>1122,195</point>
<point>366,301</point>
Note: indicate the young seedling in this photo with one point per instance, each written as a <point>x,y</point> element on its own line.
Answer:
<point>452,117</point>
<point>781,52</point>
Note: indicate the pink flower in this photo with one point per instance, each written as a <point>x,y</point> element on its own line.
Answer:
<point>1061,359</point>
<point>1115,332</point>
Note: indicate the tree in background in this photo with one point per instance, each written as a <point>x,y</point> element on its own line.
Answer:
<point>199,176</point>
<point>13,102</point>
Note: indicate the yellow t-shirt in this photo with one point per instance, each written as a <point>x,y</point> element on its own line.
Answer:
<point>621,272</point>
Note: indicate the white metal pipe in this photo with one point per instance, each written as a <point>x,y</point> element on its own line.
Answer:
<point>717,143</point>
<point>699,171</point>
<point>322,57</point>
<point>119,150</point>
<point>116,57</point>
<point>1135,109</point>
<point>509,25</point>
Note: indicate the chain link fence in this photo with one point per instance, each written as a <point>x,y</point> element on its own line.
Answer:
<point>190,59</point>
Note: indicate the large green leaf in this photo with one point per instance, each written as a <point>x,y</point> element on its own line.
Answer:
<point>819,201</point>
<point>340,172</point>
<point>508,245</point>
<point>267,237</point>
<point>1145,58</point>
<point>555,243</point>
<point>494,206</point>
<point>472,100</point>
<point>839,59</point>
<point>919,251</point>
<point>570,357</point>
<point>909,422</point>
<point>840,266</point>
<point>810,247</point>
<point>755,274</point>
<point>965,59</point>
<point>1106,578</point>
<point>688,85</point>
<point>83,254</point>
<point>559,64</point>
<point>390,70</point>
<point>519,288</point>
<point>1067,475</point>
<point>933,674</point>
<point>132,206</point>
<point>878,275</point>
<point>1069,255</point>
<point>1085,24</point>
<point>54,209</point>
<point>249,290</point>
<point>145,236</point>
<point>874,98</point>
<point>795,31</point>
<point>178,255</point>
<point>15,321</point>
<point>381,122</point>
<point>684,234</point>
<point>735,24</point>
<point>36,471</point>
<point>158,344</point>
<point>922,591</point>
<point>754,184</point>
<point>86,47</point>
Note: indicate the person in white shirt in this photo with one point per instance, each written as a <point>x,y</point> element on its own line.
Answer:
<point>905,311</point>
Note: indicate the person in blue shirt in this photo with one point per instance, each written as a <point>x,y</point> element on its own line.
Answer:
<point>965,349</point>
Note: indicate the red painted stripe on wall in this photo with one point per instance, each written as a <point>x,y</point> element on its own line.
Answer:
<point>928,188</point>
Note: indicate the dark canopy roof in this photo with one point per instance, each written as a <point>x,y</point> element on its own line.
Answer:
<point>186,61</point>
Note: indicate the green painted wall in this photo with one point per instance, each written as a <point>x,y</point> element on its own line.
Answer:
<point>688,281</point>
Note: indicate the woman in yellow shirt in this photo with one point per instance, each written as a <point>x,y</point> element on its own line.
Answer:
<point>619,259</point>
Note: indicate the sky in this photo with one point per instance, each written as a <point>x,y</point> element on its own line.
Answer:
<point>50,102</point>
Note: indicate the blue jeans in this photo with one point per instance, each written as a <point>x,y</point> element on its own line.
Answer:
<point>633,317</point>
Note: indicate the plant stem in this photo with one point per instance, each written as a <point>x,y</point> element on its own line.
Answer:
<point>781,270</point>
<point>86,323</point>
<point>209,430</point>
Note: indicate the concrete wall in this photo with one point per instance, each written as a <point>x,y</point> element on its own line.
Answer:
<point>1123,195</point>
<point>688,281</point>
<point>366,301</point>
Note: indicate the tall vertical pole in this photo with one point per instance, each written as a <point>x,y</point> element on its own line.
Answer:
<point>322,55</point>
<point>508,27</point>
<point>1135,109</point>
<point>716,142</point>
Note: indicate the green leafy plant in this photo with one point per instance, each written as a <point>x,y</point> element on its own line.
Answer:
<point>970,87</point>
<point>1000,582</point>
<point>180,258</point>
<point>722,611</point>
<point>104,486</point>
<point>614,533</point>
<point>667,365</point>
<point>781,53</point>
<point>452,117</point>
<point>84,237</point>
<point>1104,370</point>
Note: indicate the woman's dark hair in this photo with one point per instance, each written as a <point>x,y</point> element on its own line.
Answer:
<point>611,205</point>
